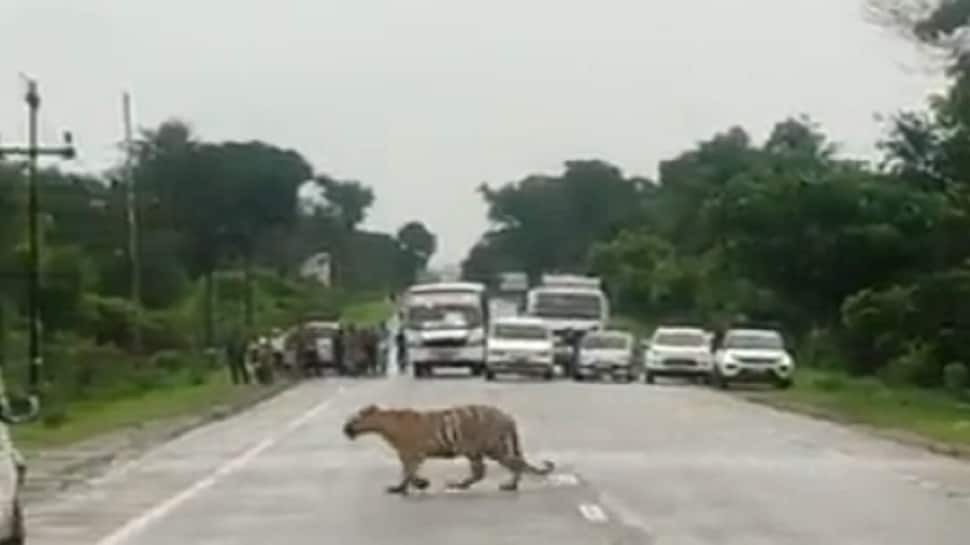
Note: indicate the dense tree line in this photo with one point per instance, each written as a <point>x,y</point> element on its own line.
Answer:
<point>867,266</point>
<point>202,207</point>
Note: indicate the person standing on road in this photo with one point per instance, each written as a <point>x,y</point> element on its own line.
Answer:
<point>232,351</point>
<point>339,349</point>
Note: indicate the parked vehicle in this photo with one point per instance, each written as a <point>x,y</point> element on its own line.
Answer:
<point>607,353</point>
<point>678,352</point>
<point>444,325</point>
<point>520,345</point>
<point>753,355</point>
<point>12,471</point>
<point>316,345</point>
<point>571,306</point>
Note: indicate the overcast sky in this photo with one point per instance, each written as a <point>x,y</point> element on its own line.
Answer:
<point>425,99</point>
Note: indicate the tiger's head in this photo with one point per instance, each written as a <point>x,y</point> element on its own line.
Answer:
<point>363,421</point>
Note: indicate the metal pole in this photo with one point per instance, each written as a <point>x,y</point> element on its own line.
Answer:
<point>32,151</point>
<point>33,288</point>
<point>133,256</point>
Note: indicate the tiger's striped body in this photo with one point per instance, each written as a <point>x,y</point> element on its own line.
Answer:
<point>475,432</point>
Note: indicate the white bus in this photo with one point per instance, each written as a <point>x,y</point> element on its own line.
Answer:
<point>444,325</point>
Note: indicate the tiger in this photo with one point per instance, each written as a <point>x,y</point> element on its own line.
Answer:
<point>475,432</point>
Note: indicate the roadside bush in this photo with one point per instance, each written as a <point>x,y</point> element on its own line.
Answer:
<point>915,366</point>
<point>819,348</point>
<point>112,320</point>
<point>67,273</point>
<point>875,326</point>
<point>956,378</point>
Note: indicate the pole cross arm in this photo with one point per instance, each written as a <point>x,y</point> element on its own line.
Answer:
<point>67,152</point>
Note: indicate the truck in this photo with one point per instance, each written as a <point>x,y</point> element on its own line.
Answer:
<point>508,298</point>
<point>571,306</point>
<point>444,325</point>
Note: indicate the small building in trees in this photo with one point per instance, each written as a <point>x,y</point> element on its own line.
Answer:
<point>317,267</point>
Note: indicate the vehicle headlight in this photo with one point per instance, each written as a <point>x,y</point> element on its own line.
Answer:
<point>728,358</point>
<point>786,360</point>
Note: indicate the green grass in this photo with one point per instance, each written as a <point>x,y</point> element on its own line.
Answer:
<point>368,313</point>
<point>931,414</point>
<point>90,418</point>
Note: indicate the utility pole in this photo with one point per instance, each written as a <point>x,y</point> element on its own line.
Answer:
<point>32,152</point>
<point>132,215</point>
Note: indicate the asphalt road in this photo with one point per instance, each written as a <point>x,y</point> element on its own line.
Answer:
<point>665,464</point>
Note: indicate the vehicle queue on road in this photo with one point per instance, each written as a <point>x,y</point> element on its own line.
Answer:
<point>563,331</point>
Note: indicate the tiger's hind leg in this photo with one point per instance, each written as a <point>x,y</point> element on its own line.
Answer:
<point>477,473</point>
<point>514,465</point>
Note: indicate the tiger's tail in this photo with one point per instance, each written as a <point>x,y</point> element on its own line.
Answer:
<point>547,466</point>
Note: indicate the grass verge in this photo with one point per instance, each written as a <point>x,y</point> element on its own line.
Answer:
<point>87,419</point>
<point>931,418</point>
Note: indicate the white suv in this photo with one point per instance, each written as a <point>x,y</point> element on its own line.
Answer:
<point>678,352</point>
<point>753,354</point>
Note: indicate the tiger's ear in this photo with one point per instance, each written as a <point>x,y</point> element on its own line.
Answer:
<point>370,409</point>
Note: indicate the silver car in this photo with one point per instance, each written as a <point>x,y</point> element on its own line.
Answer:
<point>607,353</point>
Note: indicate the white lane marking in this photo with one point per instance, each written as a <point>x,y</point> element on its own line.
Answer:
<point>139,523</point>
<point>593,513</point>
<point>624,513</point>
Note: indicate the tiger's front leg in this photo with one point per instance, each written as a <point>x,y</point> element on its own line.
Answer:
<point>409,470</point>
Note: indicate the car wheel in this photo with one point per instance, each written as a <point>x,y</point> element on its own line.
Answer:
<point>489,375</point>
<point>704,379</point>
<point>549,374</point>
<point>784,383</point>
<point>648,377</point>
<point>477,370</point>
<point>578,377</point>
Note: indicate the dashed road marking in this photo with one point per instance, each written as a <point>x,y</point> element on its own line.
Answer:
<point>139,523</point>
<point>563,479</point>
<point>593,513</point>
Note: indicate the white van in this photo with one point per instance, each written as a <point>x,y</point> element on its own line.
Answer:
<point>444,326</point>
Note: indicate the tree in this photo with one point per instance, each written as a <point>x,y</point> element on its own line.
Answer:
<point>545,222</point>
<point>418,241</point>
<point>347,201</point>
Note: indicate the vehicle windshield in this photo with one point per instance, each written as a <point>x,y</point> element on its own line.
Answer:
<point>583,306</point>
<point>681,339</point>
<point>443,317</point>
<point>760,341</point>
<point>520,332</point>
<point>608,342</point>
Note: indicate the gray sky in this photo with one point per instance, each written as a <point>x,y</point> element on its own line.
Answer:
<point>425,99</point>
